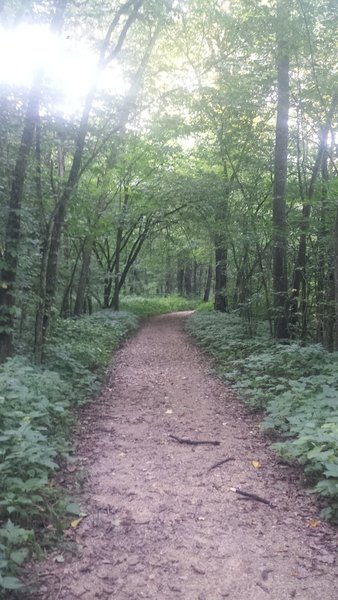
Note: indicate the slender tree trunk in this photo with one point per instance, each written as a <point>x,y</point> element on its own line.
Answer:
<point>13,227</point>
<point>221,256</point>
<point>321,267</point>
<point>83,278</point>
<point>195,279</point>
<point>280,230</point>
<point>180,280</point>
<point>336,284</point>
<point>108,284</point>
<point>115,304</point>
<point>169,279</point>
<point>66,304</point>
<point>208,284</point>
<point>188,279</point>
<point>133,254</point>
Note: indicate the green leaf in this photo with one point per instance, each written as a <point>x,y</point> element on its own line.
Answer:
<point>10,583</point>
<point>19,556</point>
<point>331,470</point>
<point>73,509</point>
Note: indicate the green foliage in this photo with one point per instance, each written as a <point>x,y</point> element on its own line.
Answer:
<point>206,306</point>
<point>157,305</point>
<point>296,385</point>
<point>81,348</point>
<point>35,415</point>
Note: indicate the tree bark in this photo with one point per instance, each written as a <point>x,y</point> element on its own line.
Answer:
<point>280,230</point>
<point>188,279</point>
<point>180,280</point>
<point>13,227</point>
<point>66,304</point>
<point>115,304</point>
<point>336,285</point>
<point>208,284</point>
<point>221,255</point>
<point>83,278</point>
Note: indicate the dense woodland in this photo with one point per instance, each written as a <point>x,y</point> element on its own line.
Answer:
<point>201,161</point>
<point>215,168</point>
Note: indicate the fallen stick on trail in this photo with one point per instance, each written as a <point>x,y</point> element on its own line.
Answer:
<point>221,462</point>
<point>193,442</point>
<point>250,496</point>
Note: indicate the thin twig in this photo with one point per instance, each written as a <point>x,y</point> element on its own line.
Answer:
<point>263,587</point>
<point>60,588</point>
<point>221,462</point>
<point>194,442</point>
<point>250,496</point>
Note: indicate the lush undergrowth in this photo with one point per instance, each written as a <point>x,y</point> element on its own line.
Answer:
<point>35,418</point>
<point>147,307</point>
<point>296,386</point>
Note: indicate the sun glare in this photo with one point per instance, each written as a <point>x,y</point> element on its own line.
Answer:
<point>69,66</point>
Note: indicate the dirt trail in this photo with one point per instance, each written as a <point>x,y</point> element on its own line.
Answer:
<point>160,525</point>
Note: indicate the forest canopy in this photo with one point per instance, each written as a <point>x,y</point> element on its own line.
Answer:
<point>157,147</point>
<point>184,152</point>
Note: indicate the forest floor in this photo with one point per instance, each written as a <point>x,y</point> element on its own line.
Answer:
<point>161,522</point>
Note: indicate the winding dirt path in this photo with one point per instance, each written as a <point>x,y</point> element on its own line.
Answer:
<point>160,524</point>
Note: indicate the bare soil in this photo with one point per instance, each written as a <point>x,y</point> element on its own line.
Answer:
<point>160,524</point>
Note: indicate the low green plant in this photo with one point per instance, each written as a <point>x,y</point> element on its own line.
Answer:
<point>157,305</point>
<point>296,385</point>
<point>15,543</point>
<point>35,418</point>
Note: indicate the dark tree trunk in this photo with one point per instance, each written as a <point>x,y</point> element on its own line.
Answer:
<point>13,228</point>
<point>169,283</point>
<point>221,256</point>
<point>115,304</point>
<point>108,284</point>
<point>195,279</point>
<point>66,305</point>
<point>180,281</point>
<point>336,284</point>
<point>188,280</point>
<point>83,278</point>
<point>208,284</point>
<point>329,295</point>
<point>280,231</point>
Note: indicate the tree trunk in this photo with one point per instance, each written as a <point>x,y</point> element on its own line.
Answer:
<point>208,284</point>
<point>336,284</point>
<point>66,304</point>
<point>108,284</point>
<point>280,231</point>
<point>195,279</point>
<point>115,304</point>
<point>83,278</point>
<point>188,279</point>
<point>221,255</point>
<point>180,280</point>
<point>13,227</point>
